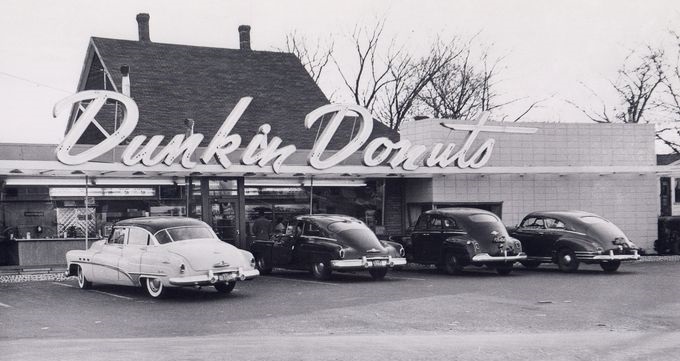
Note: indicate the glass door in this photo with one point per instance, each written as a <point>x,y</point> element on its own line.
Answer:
<point>223,202</point>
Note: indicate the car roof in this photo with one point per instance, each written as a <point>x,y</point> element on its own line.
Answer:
<point>326,219</point>
<point>155,224</point>
<point>458,211</point>
<point>572,214</point>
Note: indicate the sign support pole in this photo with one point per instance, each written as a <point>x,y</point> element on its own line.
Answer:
<point>87,221</point>
<point>311,193</point>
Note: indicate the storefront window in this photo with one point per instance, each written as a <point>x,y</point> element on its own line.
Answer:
<point>281,204</point>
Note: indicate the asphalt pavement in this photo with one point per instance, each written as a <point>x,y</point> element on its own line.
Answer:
<point>418,314</point>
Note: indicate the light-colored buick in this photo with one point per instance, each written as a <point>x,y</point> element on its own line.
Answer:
<point>161,252</point>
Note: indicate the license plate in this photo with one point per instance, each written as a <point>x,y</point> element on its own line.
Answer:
<point>226,277</point>
<point>379,263</point>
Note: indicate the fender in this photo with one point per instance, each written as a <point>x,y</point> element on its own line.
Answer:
<point>574,243</point>
<point>462,245</point>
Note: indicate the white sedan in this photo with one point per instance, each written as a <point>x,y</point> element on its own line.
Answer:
<point>161,252</point>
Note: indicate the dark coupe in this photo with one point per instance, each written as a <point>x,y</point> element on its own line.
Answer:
<point>452,238</point>
<point>571,237</point>
<point>323,243</point>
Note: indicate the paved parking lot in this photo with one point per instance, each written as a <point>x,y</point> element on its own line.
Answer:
<point>418,314</point>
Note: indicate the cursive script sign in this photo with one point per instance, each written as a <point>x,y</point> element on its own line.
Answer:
<point>263,150</point>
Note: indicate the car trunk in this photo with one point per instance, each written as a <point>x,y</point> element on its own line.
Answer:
<point>205,254</point>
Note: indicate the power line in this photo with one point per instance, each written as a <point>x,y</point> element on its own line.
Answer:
<point>34,82</point>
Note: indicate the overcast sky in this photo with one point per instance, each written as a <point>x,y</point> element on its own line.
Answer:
<point>550,47</point>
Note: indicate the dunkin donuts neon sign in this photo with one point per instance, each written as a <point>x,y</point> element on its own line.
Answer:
<point>265,150</point>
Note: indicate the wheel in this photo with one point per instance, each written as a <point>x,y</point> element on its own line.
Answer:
<point>262,265</point>
<point>530,264</point>
<point>83,283</point>
<point>566,260</point>
<point>675,243</point>
<point>452,264</point>
<point>225,287</point>
<point>378,273</point>
<point>504,269</point>
<point>154,287</point>
<point>611,266</point>
<point>321,270</point>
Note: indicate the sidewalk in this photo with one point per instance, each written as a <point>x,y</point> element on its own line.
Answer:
<point>14,274</point>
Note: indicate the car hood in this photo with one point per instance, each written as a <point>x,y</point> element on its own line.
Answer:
<point>205,254</point>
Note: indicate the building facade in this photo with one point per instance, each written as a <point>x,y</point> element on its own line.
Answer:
<point>231,135</point>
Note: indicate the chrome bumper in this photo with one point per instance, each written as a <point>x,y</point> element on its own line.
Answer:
<point>617,257</point>
<point>485,257</point>
<point>364,262</point>
<point>212,277</point>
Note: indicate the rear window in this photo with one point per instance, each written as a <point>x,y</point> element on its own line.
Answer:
<point>177,234</point>
<point>483,218</point>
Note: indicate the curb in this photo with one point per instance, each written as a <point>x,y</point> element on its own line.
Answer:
<point>17,275</point>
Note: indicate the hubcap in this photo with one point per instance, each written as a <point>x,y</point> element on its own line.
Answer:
<point>155,284</point>
<point>319,267</point>
<point>567,258</point>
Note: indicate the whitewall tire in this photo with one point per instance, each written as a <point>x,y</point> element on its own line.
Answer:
<point>154,287</point>
<point>83,283</point>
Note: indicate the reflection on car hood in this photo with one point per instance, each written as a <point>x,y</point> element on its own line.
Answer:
<point>204,254</point>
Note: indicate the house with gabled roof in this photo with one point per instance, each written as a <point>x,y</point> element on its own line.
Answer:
<point>171,83</point>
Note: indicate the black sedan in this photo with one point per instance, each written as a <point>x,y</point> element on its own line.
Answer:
<point>571,237</point>
<point>452,238</point>
<point>323,243</point>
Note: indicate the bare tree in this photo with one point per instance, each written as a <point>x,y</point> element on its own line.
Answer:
<point>409,77</point>
<point>636,86</point>
<point>313,58</point>
<point>465,87</point>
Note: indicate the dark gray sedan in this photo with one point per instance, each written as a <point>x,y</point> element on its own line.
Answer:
<point>571,237</point>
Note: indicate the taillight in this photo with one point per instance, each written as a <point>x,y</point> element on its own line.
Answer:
<point>182,268</point>
<point>341,253</point>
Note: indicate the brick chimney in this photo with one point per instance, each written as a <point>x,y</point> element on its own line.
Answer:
<point>143,26</point>
<point>244,37</point>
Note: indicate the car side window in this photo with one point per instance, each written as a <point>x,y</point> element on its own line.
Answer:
<point>449,224</point>
<point>117,236</point>
<point>553,223</point>
<point>533,222</point>
<point>434,224</point>
<point>138,237</point>
<point>313,230</point>
<point>421,225</point>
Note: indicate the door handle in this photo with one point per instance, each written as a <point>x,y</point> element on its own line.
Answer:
<point>425,234</point>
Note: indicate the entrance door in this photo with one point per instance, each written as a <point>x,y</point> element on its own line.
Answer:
<point>224,219</point>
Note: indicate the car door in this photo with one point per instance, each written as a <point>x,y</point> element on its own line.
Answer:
<point>418,236</point>
<point>529,233</point>
<point>283,247</point>
<point>105,262</point>
<point>136,245</point>
<point>554,230</point>
<point>432,242</point>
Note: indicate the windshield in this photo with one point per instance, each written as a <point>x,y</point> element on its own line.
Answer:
<point>177,234</point>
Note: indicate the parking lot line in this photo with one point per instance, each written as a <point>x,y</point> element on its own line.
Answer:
<point>5,305</point>
<point>407,278</point>
<point>113,295</point>
<point>63,284</point>
<point>305,281</point>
